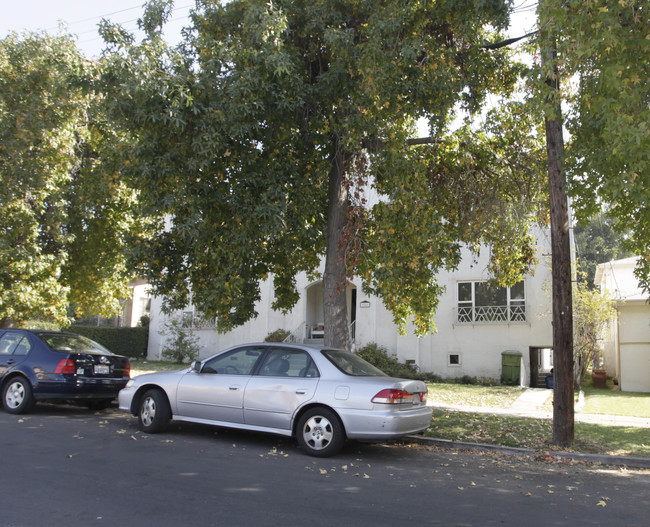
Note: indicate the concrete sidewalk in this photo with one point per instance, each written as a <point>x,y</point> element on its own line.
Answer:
<point>531,403</point>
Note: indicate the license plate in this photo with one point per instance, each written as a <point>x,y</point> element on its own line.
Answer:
<point>102,369</point>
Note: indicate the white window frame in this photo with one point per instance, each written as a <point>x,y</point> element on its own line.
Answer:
<point>514,311</point>
<point>454,364</point>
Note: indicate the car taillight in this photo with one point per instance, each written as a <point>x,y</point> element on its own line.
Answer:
<point>127,369</point>
<point>391,396</point>
<point>66,367</point>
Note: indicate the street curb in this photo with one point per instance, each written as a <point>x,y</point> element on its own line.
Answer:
<point>619,461</point>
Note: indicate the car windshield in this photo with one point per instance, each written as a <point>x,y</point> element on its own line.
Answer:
<point>352,364</point>
<point>73,344</point>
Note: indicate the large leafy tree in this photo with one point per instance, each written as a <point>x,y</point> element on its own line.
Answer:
<point>604,47</point>
<point>263,139</point>
<point>64,212</point>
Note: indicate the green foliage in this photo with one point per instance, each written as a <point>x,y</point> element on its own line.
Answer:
<point>275,121</point>
<point>378,356</point>
<point>42,324</point>
<point>131,342</point>
<point>181,344</point>
<point>65,212</point>
<point>592,312</point>
<point>597,242</point>
<point>279,335</point>
<point>604,48</point>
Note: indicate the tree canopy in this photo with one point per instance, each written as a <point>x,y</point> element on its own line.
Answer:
<point>604,51</point>
<point>597,242</point>
<point>65,212</point>
<point>279,133</point>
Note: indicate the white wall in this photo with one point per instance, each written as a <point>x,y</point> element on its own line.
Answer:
<point>627,346</point>
<point>479,346</point>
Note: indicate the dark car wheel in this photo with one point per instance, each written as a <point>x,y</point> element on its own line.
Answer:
<point>17,396</point>
<point>320,432</point>
<point>154,413</point>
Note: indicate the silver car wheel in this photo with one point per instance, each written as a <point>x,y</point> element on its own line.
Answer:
<point>148,411</point>
<point>154,412</point>
<point>318,432</point>
<point>15,394</point>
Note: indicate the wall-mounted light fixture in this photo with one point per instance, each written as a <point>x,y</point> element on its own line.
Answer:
<point>364,303</point>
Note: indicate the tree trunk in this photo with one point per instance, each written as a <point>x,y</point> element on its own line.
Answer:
<point>563,398</point>
<point>335,310</point>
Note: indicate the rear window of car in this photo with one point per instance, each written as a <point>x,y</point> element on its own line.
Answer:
<point>73,344</point>
<point>352,364</point>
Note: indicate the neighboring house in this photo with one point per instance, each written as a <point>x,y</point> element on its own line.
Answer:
<point>627,345</point>
<point>475,323</point>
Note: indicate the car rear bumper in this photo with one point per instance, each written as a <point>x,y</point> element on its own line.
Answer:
<point>79,388</point>
<point>388,424</point>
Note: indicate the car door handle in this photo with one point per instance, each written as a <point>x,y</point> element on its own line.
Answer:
<point>234,388</point>
<point>301,392</point>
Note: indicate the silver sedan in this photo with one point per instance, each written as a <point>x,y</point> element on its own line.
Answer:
<point>321,396</point>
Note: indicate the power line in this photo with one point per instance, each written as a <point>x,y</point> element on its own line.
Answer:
<point>98,18</point>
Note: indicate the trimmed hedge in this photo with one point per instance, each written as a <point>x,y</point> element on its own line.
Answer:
<point>131,342</point>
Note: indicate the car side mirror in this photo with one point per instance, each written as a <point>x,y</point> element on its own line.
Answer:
<point>196,366</point>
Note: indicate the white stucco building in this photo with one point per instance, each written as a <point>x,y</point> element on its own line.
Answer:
<point>627,345</point>
<point>475,324</point>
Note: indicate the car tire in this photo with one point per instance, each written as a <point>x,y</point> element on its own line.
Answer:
<point>320,432</point>
<point>17,397</point>
<point>154,412</point>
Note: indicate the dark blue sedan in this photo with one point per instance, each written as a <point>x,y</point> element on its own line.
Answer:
<point>57,366</point>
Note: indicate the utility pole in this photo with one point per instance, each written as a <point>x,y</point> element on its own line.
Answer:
<point>563,397</point>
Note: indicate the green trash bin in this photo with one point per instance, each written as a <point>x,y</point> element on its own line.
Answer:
<point>510,367</point>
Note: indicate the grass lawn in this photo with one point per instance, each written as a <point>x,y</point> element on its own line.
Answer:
<point>474,395</point>
<point>609,402</point>
<point>140,367</point>
<point>537,434</point>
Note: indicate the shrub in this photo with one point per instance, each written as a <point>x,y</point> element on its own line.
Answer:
<point>378,356</point>
<point>277,336</point>
<point>181,345</point>
<point>131,342</point>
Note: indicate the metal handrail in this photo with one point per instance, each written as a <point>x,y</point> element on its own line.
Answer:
<point>297,336</point>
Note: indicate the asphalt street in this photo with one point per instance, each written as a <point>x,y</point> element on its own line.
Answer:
<point>66,466</point>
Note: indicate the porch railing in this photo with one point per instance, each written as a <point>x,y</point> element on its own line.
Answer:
<point>491,314</point>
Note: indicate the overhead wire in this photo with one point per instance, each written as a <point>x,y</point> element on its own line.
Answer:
<point>178,13</point>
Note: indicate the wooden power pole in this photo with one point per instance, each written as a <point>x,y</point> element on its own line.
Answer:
<point>563,398</point>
